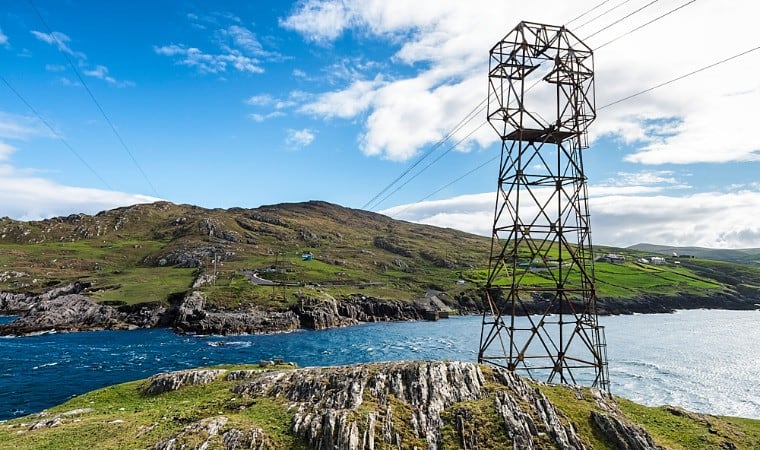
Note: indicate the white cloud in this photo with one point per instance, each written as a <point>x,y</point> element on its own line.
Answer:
<point>299,138</point>
<point>238,48</point>
<point>345,103</point>
<point>444,44</point>
<point>3,38</point>
<point>25,197</point>
<point>319,21</point>
<point>59,40</point>
<point>621,217</point>
<point>256,117</point>
<point>244,39</point>
<point>101,73</point>
<point>20,127</point>
<point>647,178</point>
<point>207,63</point>
<point>5,150</point>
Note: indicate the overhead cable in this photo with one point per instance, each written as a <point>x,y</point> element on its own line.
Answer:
<point>54,132</point>
<point>622,19</point>
<point>646,24</point>
<point>92,96</point>
<point>673,80</point>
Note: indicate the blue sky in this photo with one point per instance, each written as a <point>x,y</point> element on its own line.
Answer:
<point>250,103</point>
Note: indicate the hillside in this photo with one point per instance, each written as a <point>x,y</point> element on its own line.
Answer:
<point>741,256</point>
<point>281,267</point>
<point>405,404</point>
<point>147,252</point>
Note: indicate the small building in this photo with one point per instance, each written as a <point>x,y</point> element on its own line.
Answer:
<point>657,260</point>
<point>611,258</point>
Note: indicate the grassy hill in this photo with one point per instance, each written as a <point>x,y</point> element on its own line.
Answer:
<point>151,252</point>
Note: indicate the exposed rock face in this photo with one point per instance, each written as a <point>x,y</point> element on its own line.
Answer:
<point>198,435</point>
<point>72,312</point>
<point>171,381</point>
<point>408,404</point>
<point>192,316</point>
<point>319,314</point>
<point>64,309</point>
<point>623,434</point>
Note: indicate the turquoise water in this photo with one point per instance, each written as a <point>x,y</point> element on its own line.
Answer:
<point>701,360</point>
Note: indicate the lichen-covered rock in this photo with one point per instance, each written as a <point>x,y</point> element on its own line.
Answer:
<point>171,381</point>
<point>254,439</point>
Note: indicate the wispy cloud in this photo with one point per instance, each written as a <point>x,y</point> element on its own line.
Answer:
<point>207,63</point>
<point>101,73</point>
<point>20,127</point>
<point>61,41</point>
<point>256,117</point>
<point>275,107</point>
<point>3,38</point>
<point>235,47</point>
<point>299,138</point>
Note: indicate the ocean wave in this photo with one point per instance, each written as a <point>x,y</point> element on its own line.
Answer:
<point>51,364</point>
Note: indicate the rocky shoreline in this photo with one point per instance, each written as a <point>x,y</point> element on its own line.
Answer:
<point>65,309</point>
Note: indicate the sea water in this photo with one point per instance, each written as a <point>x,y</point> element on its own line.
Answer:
<point>701,360</point>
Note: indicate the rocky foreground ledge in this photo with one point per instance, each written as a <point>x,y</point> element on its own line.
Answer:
<point>391,405</point>
<point>404,405</point>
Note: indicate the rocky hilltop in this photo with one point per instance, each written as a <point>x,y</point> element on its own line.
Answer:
<point>403,405</point>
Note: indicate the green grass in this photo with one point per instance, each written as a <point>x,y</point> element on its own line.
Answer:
<point>141,284</point>
<point>670,427</point>
<point>146,420</point>
<point>677,429</point>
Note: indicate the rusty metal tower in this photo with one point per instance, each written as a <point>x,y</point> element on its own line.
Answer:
<point>541,102</point>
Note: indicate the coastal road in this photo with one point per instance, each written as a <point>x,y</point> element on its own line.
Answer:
<point>256,279</point>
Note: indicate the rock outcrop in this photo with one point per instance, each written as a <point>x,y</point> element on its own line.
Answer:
<point>320,314</point>
<point>424,404</point>
<point>193,316</point>
<point>171,381</point>
<point>64,309</point>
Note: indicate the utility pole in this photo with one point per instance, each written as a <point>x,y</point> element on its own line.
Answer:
<point>541,102</point>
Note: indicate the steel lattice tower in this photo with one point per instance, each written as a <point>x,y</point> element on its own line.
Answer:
<point>541,102</point>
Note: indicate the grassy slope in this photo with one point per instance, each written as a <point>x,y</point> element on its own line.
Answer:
<point>355,251</point>
<point>123,417</point>
<point>744,256</point>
